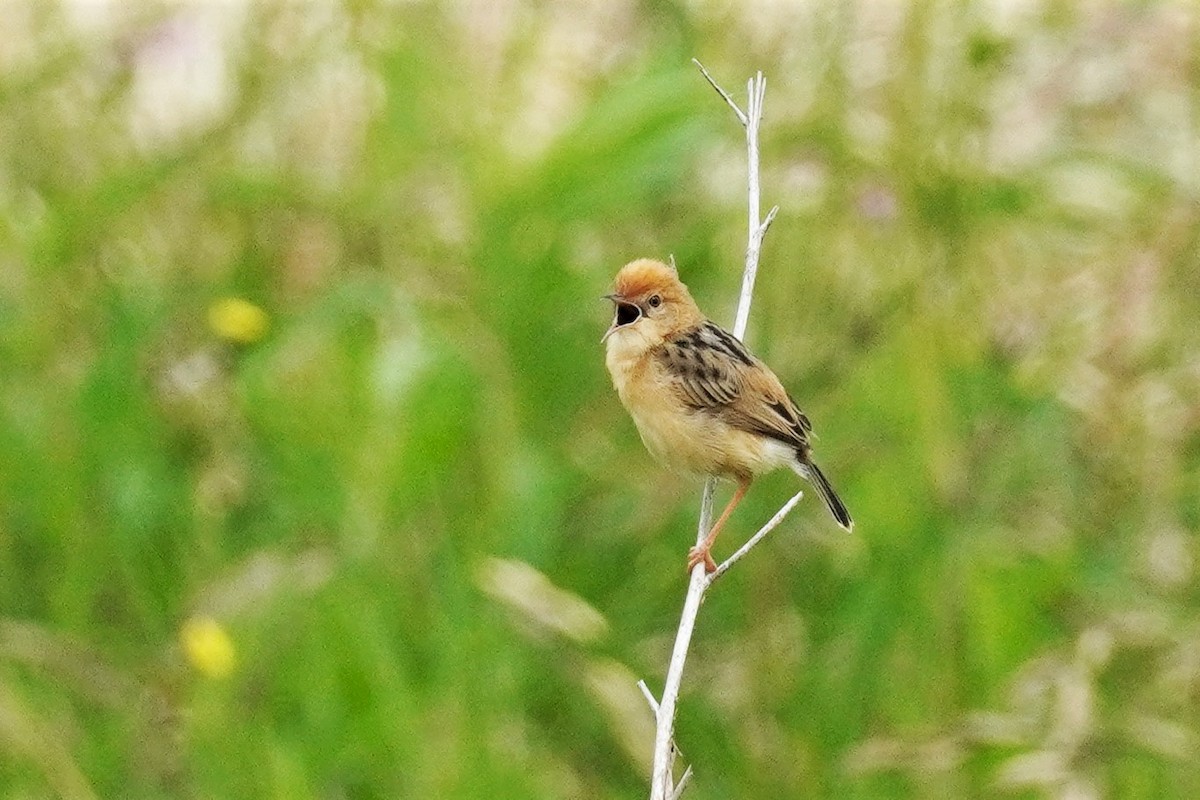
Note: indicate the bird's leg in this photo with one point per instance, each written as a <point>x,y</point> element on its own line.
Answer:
<point>701,551</point>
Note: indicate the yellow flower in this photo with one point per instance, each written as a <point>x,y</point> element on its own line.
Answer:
<point>237,320</point>
<point>207,646</point>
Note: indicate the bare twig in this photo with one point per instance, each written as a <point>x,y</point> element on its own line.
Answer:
<point>646,693</point>
<point>772,523</point>
<point>661,787</point>
<point>650,701</point>
<point>740,114</point>
<point>660,781</point>
<point>683,782</point>
<point>756,228</point>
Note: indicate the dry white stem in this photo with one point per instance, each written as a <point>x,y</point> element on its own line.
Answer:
<point>771,525</point>
<point>661,784</point>
<point>762,229</point>
<point>740,114</point>
<point>661,787</point>
<point>646,693</point>
<point>683,782</point>
<point>650,701</point>
<point>756,88</point>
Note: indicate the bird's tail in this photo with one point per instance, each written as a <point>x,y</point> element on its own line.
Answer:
<point>809,471</point>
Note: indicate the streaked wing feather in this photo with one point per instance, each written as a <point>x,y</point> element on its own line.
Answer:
<point>779,420</point>
<point>711,369</point>
<point>706,381</point>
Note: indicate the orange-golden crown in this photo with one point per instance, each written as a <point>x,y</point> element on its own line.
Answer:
<point>640,279</point>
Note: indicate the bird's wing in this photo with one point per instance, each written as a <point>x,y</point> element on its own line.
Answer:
<point>714,373</point>
<point>706,366</point>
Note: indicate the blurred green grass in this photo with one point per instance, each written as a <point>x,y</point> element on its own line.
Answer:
<point>400,500</point>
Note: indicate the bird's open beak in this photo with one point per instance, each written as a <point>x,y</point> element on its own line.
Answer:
<point>626,314</point>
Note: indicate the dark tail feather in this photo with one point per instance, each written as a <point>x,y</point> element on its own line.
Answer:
<point>814,476</point>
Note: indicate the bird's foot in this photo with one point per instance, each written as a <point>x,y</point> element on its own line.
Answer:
<point>698,554</point>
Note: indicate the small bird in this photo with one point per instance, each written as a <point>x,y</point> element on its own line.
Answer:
<point>701,402</point>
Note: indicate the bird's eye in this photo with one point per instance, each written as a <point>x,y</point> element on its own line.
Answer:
<point>655,301</point>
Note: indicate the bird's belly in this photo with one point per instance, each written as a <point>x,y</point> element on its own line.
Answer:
<point>681,442</point>
<point>697,443</point>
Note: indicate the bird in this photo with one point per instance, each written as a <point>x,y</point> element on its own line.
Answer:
<point>703,404</point>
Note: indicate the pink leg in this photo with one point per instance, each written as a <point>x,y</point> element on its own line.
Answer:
<point>701,552</point>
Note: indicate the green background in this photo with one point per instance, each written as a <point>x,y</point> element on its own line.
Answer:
<point>415,504</point>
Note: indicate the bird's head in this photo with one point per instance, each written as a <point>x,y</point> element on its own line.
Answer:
<point>651,304</point>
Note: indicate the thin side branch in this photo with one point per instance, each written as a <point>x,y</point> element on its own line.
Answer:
<point>771,525</point>
<point>762,229</point>
<point>646,693</point>
<point>740,114</point>
<point>650,701</point>
<point>683,782</point>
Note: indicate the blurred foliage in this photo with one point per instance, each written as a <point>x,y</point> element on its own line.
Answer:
<point>312,483</point>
